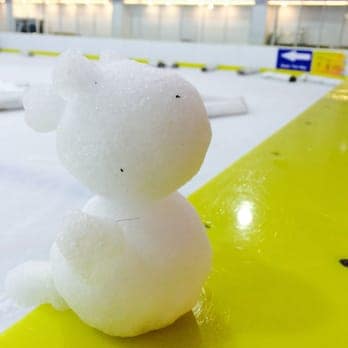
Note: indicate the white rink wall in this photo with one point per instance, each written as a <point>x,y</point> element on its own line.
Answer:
<point>167,51</point>
<point>214,54</point>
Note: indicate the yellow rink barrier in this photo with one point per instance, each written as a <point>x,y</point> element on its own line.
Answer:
<point>141,60</point>
<point>328,63</point>
<point>325,64</point>
<point>277,220</point>
<point>43,53</point>
<point>92,56</point>
<point>10,50</point>
<point>282,71</point>
<point>193,65</point>
<point>229,67</point>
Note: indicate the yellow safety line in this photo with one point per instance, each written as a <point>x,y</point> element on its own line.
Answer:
<point>229,67</point>
<point>43,53</point>
<point>92,56</point>
<point>141,60</point>
<point>10,50</point>
<point>299,73</point>
<point>181,64</point>
<point>282,71</point>
<point>193,65</point>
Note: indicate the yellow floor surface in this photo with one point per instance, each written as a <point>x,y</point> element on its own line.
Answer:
<point>278,223</point>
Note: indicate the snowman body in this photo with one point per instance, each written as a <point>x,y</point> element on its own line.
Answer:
<point>126,277</point>
<point>135,257</point>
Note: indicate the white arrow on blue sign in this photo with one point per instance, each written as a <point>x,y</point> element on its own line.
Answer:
<point>291,59</point>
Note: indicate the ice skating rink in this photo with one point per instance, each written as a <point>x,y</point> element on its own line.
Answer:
<point>36,191</point>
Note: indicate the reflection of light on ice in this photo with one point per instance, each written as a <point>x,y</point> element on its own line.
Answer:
<point>343,147</point>
<point>244,215</point>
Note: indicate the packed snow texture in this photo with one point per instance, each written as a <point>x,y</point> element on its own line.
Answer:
<point>32,282</point>
<point>43,108</point>
<point>130,131</point>
<point>130,276</point>
<point>136,257</point>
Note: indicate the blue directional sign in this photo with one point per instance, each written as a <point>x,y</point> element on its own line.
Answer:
<point>293,59</point>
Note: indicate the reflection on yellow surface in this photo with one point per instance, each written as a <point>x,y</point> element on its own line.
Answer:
<point>244,215</point>
<point>278,223</point>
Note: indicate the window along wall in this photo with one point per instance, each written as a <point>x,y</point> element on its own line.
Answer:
<point>318,26</point>
<point>188,23</point>
<point>91,19</point>
<point>281,24</point>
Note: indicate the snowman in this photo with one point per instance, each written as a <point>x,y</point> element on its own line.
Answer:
<point>135,257</point>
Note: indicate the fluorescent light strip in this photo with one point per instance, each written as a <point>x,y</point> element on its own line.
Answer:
<point>307,3</point>
<point>62,2</point>
<point>191,2</point>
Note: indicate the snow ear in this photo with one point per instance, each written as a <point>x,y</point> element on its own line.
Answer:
<point>75,75</point>
<point>43,108</point>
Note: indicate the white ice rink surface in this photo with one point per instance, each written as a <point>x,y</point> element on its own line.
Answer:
<point>35,192</point>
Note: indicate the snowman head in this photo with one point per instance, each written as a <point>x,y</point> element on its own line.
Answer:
<point>127,130</point>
